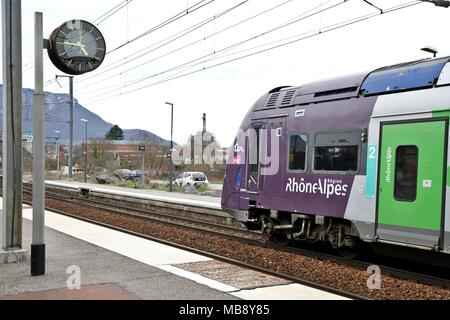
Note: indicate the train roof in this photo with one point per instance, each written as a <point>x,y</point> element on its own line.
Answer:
<point>407,76</point>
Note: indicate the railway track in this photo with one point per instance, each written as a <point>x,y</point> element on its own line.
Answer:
<point>209,228</point>
<point>223,230</point>
<point>253,238</point>
<point>230,232</point>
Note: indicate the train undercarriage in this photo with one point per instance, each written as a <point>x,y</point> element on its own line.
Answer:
<point>283,227</point>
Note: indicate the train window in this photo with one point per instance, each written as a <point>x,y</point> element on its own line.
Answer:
<point>238,179</point>
<point>406,170</point>
<point>336,158</point>
<point>297,152</point>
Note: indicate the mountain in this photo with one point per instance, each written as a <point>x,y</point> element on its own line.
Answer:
<point>57,115</point>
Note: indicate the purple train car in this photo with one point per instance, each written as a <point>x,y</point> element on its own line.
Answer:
<point>360,158</point>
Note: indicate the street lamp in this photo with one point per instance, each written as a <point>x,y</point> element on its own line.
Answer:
<point>171,150</point>
<point>430,50</point>
<point>439,3</point>
<point>58,134</point>
<point>85,150</point>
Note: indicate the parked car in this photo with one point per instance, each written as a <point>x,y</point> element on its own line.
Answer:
<point>194,179</point>
<point>122,173</point>
<point>136,176</point>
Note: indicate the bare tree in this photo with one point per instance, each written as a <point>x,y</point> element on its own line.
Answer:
<point>142,137</point>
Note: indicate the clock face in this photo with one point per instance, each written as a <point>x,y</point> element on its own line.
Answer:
<point>77,47</point>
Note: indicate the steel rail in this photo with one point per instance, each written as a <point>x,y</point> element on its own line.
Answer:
<point>260,240</point>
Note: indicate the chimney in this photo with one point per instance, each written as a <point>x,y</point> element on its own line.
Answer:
<point>204,123</point>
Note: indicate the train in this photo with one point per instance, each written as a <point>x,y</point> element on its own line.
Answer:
<point>361,159</point>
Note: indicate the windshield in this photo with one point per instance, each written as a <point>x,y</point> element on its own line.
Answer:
<point>199,177</point>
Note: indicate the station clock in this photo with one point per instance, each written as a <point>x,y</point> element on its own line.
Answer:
<point>77,47</point>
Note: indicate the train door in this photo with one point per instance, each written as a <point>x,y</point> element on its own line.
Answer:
<point>275,153</point>
<point>253,157</point>
<point>411,182</point>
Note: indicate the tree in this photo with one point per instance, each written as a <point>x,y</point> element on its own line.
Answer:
<point>101,152</point>
<point>115,133</point>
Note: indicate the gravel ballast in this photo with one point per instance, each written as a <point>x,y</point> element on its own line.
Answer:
<point>325,272</point>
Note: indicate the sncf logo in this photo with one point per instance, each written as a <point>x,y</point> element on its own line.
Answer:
<point>238,148</point>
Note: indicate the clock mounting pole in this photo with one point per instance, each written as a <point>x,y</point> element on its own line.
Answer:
<point>38,244</point>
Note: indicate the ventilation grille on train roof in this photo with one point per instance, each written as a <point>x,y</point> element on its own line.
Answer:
<point>287,100</point>
<point>273,99</point>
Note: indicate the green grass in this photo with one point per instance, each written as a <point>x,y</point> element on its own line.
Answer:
<point>128,184</point>
<point>161,187</point>
<point>203,189</point>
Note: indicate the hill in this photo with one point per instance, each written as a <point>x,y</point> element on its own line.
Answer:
<point>57,115</point>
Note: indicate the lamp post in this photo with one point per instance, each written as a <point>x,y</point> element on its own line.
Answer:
<point>58,134</point>
<point>171,149</point>
<point>85,149</point>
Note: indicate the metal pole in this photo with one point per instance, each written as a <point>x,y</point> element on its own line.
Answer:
<point>171,150</point>
<point>11,216</point>
<point>85,154</point>
<point>71,102</point>
<point>38,244</point>
<point>57,157</point>
<point>142,168</point>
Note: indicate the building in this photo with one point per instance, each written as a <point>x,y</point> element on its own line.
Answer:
<point>122,154</point>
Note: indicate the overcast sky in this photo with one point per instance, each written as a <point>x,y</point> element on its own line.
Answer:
<point>226,92</point>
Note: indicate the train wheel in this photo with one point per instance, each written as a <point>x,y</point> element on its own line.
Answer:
<point>350,253</point>
<point>279,239</point>
<point>273,237</point>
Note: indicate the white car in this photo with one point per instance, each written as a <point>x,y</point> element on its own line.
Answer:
<point>122,173</point>
<point>195,179</point>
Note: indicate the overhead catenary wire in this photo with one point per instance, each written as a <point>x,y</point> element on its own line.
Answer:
<point>376,7</point>
<point>164,43</point>
<point>165,23</point>
<point>99,20</point>
<point>109,11</point>
<point>125,3</point>
<point>195,7</point>
<point>305,15</point>
<point>297,18</point>
<point>318,33</point>
<point>112,12</point>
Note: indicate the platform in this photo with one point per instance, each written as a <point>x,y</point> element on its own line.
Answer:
<point>114,265</point>
<point>174,197</point>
